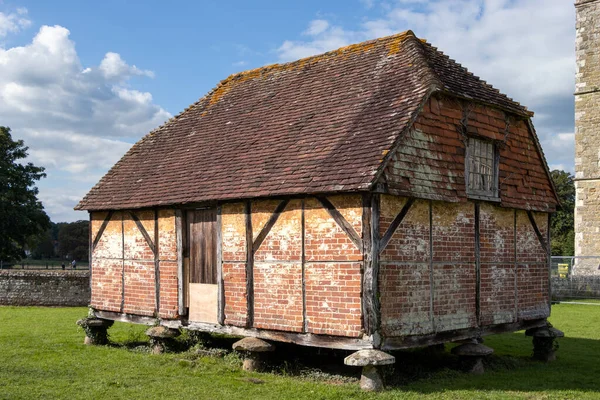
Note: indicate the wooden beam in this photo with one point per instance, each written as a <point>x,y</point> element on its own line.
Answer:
<point>549,251</point>
<point>90,249</point>
<point>370,246</point>
<point>305,339</point>
<point>477,265</point>
<point>537,231</point>
<point>101,230</point>
<point>341,221</point>
<point>220,280</point>
<point>407,342</point>
<point>143,231</point>
<point>516,262</point>
<point>303,260</point>
<point>180,274</point>
<point>156,262</point>
<point>249,267</point>
<point>269,225</point>
<point>431,270</point>
<point>123,262</point>
<point>387,236</point>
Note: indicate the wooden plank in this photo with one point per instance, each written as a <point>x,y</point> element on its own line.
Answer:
<point>180,272</point>
<point>220,280</point>
<point>477,264</point>
<point>249,267</point>
<point>407,342</point>
<point>204,300</point>
<point>269,225</point>
<point>156,263</point>
<point>102,229</point>
<point>516,265</point>
<point>537,231</point>
<point>203,246</point>
<point>395,224</point>
<point>341,221</point>
<point>143,231</point>
<point>549,251</point>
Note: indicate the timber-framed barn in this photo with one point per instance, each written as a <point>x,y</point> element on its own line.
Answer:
<point>378,196</point>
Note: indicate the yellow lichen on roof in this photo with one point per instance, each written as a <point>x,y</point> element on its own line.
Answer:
<point>392,42</point>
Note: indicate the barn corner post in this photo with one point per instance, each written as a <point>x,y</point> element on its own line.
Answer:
<point>370,293</point>
<point>180,273</point>
<point>220,278</point>
<point>249,266</point>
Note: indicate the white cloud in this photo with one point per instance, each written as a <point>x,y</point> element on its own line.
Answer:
<point>367,3</point>
<point>77,121</point>
<point>524,48</point>
<point>13,22</point>
<point>316,27</point>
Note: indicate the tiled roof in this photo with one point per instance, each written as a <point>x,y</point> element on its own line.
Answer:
<point>318,125</point>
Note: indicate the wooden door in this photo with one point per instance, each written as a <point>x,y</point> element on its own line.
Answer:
<point>202,238</point>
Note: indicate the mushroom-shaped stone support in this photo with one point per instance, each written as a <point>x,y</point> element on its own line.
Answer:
<point>96,330</point>
<point>161,338</point>
<point>544,347</point>
<point>370,379</point>
<point>471,355</point>
<point>252,348</point>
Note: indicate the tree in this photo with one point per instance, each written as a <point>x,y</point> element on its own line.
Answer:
<point>21,213</point>
<point>563,221</point>
<point>73,240</point>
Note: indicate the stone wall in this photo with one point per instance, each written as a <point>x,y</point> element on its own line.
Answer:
<point>587,129</point>
<point>45,288</point>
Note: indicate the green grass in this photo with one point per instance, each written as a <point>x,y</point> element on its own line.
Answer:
<point>42,356</point>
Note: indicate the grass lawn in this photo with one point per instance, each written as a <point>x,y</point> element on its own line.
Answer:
<point>42,356</point>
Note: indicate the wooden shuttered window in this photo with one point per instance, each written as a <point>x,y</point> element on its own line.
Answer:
<point>481,170</point>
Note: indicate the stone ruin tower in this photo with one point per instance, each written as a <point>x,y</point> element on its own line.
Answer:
<point>587,135</point>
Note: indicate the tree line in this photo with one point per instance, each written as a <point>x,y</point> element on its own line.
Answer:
<point>26,229</point>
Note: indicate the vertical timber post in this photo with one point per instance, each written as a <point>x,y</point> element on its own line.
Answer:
<point>370,290</point>
<point>477,265</point>
<point>549,250</point>
<point>91,249</point>
<point>303,260</point>
<point>431,275</point>
<point>180,274</point>
<point>220,281</point>
<point>123,264</point>
<point>249,266</point>
<point>157,262</point>
<point>516,266</point>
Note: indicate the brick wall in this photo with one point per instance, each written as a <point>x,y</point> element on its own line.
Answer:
<point>123,268</point>
<point>44,288</point>
<point>425,293</point>
<point>330,303</point>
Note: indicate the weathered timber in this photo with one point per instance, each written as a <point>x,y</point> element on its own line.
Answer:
<point>303,260</point>
<point>406,342</point>
<point>143,231</point>
<point>102,229</point>
<point>477,264</point>
<point>367,267</point>
<point>156,263</point>
<point>537,231</point>
<point>305,339</point>
<point>431,276</point>
<point>249,267</point>
<point>90,250</point>
<point>180,274</point>
<point>122,263</point>
<point>387,236</point>
<point>220,280</point>
<point>341,221</point>
<point>269,225</point>
<point>370,290</point>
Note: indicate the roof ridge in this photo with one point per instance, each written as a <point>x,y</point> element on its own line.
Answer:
<point>478,78</point>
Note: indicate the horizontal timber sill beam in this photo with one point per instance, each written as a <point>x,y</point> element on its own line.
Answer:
<point>305,339</point>
<point>407,342</point>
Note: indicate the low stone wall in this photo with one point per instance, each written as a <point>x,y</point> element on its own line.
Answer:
<point>44,288</point>
<point>576,287</point>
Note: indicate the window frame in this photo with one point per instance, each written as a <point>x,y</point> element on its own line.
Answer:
<point>489,195</point>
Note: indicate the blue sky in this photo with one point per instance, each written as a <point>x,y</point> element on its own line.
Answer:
<point>81,81</point>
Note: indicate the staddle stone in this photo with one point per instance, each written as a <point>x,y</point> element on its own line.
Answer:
<point>162,332</point>
<point>369,357</point>
<point>472,350</point>
<point>253,345</point>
